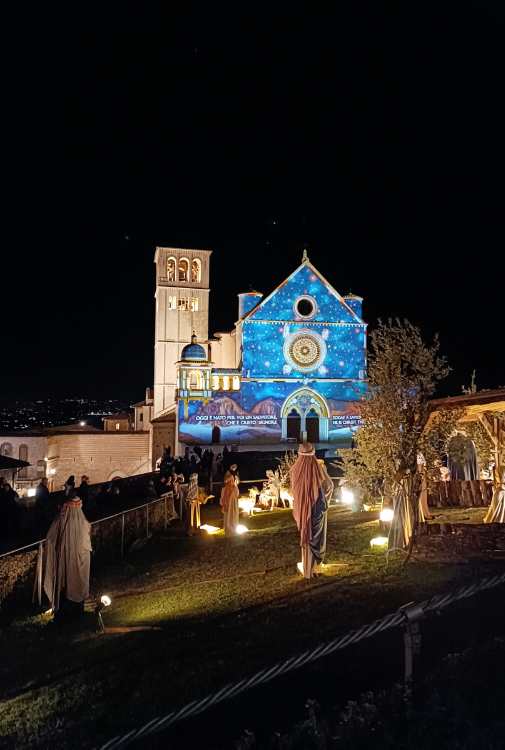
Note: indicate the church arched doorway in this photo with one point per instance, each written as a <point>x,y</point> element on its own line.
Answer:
<point>305,411</point>
<point>312,426</point>
<point>294,425</point>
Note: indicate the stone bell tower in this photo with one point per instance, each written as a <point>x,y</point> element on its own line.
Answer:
<point>182,307</point>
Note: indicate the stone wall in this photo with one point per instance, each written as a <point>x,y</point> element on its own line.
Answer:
<point>101,456</point>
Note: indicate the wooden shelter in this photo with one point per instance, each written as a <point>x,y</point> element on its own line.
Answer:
<point>487,408</point>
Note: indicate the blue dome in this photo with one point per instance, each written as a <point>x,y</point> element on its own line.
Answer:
<point>194,352</point>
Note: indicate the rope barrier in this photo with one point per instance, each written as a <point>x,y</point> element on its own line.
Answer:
<point>231,690</point>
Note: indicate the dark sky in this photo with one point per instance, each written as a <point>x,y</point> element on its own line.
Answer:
<point>376,138</point>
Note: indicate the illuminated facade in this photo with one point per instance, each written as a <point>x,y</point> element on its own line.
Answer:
<point>294,366</point>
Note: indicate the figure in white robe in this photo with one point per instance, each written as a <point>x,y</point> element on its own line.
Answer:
<point>229,500</point>
<point>67,552</point>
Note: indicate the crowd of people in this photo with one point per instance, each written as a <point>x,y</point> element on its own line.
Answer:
<point>197,461</point>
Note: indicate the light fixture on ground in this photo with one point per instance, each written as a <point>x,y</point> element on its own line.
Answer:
<point>82,423</point>
<point>346,496</point>
<point>104,602</point>
<point>299,567</point>
<point>241,529</point>
<point>379,541</point>
<point>386,515</point>
<point>210,529</point>
<point>31,492</point>
<point>246,504</point>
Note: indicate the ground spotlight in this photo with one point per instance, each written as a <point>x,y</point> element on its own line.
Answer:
<point>386,515</point>
<point>104,602</point>
<point>346,496</point>
<point>379,541</point>
<point>210,529</point>
<point>241,529</point>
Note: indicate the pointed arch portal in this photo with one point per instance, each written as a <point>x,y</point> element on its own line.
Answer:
<point>305,411</point>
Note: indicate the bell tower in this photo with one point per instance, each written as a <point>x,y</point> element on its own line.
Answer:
<point>182,307</point>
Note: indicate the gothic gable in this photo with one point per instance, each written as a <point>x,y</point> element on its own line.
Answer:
<point>304,296</point>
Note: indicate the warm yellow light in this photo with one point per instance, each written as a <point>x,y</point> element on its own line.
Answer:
<point>226,383</point>
<point>299,567</point>
<point>106,600</point>
<point>247,504</point>
<point>52,472</point>
<point>210,529</point>
<point>287,497</point>
<point>241,529</point>
<point>346,496</point>
<point>236,383</point>
<point>386,515</point>
<point>379,541</point>
<point>82,424</point>
<point>31,492</point>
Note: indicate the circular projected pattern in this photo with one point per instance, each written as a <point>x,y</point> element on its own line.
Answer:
<point>305,351</point>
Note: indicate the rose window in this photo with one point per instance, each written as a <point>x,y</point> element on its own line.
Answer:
<point>305,351</point>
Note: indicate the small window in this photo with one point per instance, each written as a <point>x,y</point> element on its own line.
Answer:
<point>226,383</point>
<point>196,271</point>
<point>117,425</point>
<point>141,417</point>
<point>6,449</point>
<point>184,303</point>
<point>305,307</point>
<point>171,269</point>
<point>172,302</point>
<point>183,269</point>
<point>41,467</point>
<point>194,304</point>
<point>236,383</point>
<point>23,456</point>
<point>195,380</point>
<point>215,382</point>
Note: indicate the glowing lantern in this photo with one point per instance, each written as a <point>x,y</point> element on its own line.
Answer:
<point>106,600</point>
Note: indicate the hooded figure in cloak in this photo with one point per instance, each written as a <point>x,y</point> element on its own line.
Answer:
<point>312,489</point>
<point>68,547</point>
<point>229,500</point>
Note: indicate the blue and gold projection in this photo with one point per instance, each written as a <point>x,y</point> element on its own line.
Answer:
<point>302,371</point>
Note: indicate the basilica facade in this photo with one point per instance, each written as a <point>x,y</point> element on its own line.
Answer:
<point>293,367</point>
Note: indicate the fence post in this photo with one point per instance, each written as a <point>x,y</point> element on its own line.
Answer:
<point>411,642</point>
<point>122,536</point>
<point>38,574</point>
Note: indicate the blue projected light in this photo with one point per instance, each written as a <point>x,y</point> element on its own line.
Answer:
<point>303,371</point>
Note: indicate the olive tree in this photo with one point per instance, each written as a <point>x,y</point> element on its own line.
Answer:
<point>398,427</point>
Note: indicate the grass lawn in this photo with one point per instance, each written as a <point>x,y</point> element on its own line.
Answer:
<point>222,609</point>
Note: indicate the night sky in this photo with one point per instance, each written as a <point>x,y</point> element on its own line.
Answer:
<point>376,139</point>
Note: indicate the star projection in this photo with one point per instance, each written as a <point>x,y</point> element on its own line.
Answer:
<point>303,371</point>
